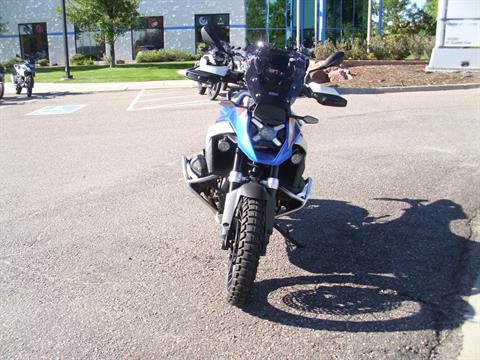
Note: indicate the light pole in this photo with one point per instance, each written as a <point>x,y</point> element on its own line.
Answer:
<point>67,75</point>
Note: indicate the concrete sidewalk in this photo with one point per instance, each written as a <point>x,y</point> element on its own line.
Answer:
<point>72,87</point>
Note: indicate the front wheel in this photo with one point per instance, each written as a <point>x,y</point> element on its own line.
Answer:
<point>214,90</point>
<point>2,90</point>
<point>246,250</point>
<point>29,85</point>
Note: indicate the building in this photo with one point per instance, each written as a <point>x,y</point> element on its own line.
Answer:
<point>34,26</point>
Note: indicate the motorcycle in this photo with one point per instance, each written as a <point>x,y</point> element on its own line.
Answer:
<point>24,76</point>
<point>251,169</point>
<point>220,67</point>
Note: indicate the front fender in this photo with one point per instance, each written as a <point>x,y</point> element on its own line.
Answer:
<point>253,190</point>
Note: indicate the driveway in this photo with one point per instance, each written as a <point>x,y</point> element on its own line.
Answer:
<point>104,253</point>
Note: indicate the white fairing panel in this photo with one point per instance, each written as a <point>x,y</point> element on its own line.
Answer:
<point>220,127</point>
<point>218,70</point>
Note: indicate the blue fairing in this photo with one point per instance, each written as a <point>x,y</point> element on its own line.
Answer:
<point>239,119</point>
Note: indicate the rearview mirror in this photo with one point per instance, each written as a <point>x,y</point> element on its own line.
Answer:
<point>325,95</point>
<point>333,60</point>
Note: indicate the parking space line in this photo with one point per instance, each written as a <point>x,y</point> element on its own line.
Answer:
<point>182,104</point>
<point>132,104</point>
<point>155,93</point>
<point>160,98</point>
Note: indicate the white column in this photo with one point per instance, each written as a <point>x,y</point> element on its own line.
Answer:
<point>441,17</point>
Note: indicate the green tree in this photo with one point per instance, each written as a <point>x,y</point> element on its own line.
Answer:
<point>404,17</point>
<point>110,18</point>
<point>431,8</point>
<point>256,13</point>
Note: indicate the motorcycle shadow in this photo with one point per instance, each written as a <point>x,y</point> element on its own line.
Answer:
<point>370,274</point>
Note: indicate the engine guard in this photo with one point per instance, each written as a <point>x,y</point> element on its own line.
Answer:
<point>198,185</point>
<point>293,202</point>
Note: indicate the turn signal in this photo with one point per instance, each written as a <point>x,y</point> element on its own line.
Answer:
<point>223,145</point>
<point>297,158</point>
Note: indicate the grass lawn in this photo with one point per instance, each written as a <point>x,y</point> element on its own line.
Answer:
<point>122,73</point>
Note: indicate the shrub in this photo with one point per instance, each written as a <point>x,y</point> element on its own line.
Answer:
<point>357,51</point>
<point>77,59</point>
<point>43,62</point>
<point>420,46</point>
<point>391,47</point>
<point>353,49</point>
<point>378,48</point>
<point>163,55</point>
<point>8,65</point>
<point>199,53</point>
<point>322,51</point>
<point>80,59</point>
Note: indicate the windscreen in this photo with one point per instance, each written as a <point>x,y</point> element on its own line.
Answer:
<point>275,76</point>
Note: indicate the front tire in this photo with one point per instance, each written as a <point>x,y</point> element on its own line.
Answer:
<point>29,85</point>
<point>246,250</point>
<point>2,90</point>
<point>214,90</point>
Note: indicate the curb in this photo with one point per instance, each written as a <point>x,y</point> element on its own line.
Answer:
<point>400,89</point>
<point>43,88</point>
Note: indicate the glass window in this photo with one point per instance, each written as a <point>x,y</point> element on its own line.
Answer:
<point>267,21</point>
<point>219,22</point>
<point>33,40</point>
<point>86,43</point>
<point>148,34</point>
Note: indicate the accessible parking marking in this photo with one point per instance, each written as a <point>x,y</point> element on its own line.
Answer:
<point>57,110</point>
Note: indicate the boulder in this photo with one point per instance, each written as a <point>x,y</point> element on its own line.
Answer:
<point>339,74</point>
<point>319,76</point>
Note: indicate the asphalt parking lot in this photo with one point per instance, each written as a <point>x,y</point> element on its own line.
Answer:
<point>104,253</point>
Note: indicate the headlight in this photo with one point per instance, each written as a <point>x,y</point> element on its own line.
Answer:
<point>263,135</point>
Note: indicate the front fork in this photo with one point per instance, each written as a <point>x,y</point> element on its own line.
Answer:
<point>251,187</point>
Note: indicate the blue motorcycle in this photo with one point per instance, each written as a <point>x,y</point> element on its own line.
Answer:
<point>24,75</point>
<point>251,170</point>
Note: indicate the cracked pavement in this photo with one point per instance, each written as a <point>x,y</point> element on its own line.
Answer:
<point>104,253</point>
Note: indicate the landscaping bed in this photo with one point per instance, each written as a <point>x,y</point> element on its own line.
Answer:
<point>387,74</point>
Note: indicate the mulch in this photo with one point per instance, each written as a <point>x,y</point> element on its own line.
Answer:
<point>368,74</point>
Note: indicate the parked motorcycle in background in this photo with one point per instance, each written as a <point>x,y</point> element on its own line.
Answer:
<point>251,170</point>
<point>24,76</point>
<point>221,66</point>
